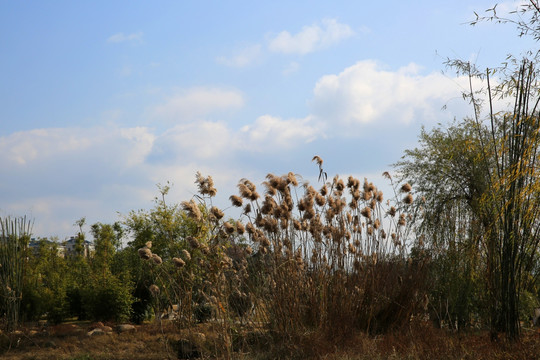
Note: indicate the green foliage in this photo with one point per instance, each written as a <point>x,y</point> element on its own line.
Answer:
<point>79,285</point>
<point>107,298</point>
<point>528,301</point>
<point>80,239</point>
<point>106,295</point>
<point>166,227</point>
<point>479,179</point>
<point>46,284</point>
<point>447,172</point>
<point>456,290</point>
<point>77,277</point>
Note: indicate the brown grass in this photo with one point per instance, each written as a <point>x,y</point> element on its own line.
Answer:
<point>69,341</point>
<point>152,341</point>
<point>311,262</point>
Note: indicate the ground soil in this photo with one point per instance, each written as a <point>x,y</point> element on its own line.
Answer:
<point>159,341</point>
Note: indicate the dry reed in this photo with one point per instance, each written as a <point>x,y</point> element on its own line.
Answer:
<point>299,260</point>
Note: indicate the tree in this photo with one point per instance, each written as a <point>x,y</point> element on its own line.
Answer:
<point>166,227</point>
<point>106,241</point>
<point>80,239</point>
<point>45,284</point>
<point>78,274</point>
<point>514,199</point>
<point>505,207</point>
<point>107,294</point>
<point>446,172</point>
<point>485,174</point>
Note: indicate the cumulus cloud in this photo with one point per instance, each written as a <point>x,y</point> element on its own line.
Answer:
<point>366,93</point>
<point>22,148</point>
<point>60,175</point>
<point>34,147</point>
<point>214,142</point>
<point>197,102</point>
<point>244,57</point>
<point>121,37</point>
<point>269,132</point>
<point>57,176</point>
<point>311,38</point>
<point>196,140</point>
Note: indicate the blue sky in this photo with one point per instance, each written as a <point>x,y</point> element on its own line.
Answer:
<point>103,100</point>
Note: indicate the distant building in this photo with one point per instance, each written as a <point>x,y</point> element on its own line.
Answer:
<point>71,247</point>
<point>34,245</point>
<point>65,249</point>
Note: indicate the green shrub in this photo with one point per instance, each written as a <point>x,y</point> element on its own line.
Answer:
<point>527,303</point>
<point>108,299</point>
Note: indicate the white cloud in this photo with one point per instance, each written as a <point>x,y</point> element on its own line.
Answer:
<point>366,94</point>
<point>142,142</point>
<point>60,175</point>
<point>57,176</point>
<point>311,38</point>
<point>197,102</point>
<point>22,148</point>
<point>121,37</point>
<point>197,140</point>
<point>269,132</point>
<point>243,57</point>
<point>34,147</point>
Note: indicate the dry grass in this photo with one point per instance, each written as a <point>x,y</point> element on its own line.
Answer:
<point>424,342</point>
<point>325,262</point>
<point>72,342</point>
<point>152,341</point>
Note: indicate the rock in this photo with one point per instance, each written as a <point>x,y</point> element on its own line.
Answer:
<point>125,328</point>
<point>96,332</point>
<point>32,332</point>
<point>99,325</point>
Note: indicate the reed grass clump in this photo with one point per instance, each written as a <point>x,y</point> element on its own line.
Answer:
<point>298,260</point>
<point>145,253</point>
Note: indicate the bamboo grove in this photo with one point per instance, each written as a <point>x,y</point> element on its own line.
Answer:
<point>14,237</point>
<point>480,177</point>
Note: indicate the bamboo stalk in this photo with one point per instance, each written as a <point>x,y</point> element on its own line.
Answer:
<point>14,238</point>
